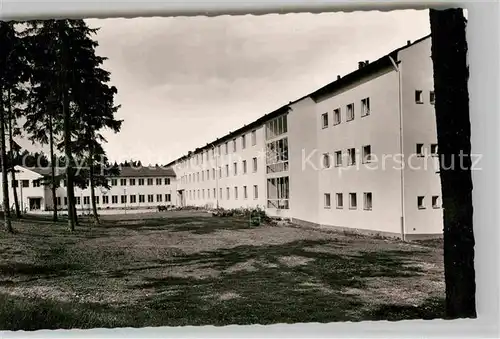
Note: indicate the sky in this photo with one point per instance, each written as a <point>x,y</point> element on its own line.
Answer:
<point>185,81</point>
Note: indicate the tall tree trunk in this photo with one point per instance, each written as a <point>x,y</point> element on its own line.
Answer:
<point>12,164</point>
<point>5,187</point>
<point>70,192</point>
<point>52,169</point>
<point>449,48</point>
<point>92,187</point>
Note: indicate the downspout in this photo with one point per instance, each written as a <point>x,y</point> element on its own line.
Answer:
<point>401,148</point>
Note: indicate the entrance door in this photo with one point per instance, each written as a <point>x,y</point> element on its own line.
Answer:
<point>181,198</point>
<point>35,204</point>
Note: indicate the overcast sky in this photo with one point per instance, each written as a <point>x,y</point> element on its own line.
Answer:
<point>185,81</point>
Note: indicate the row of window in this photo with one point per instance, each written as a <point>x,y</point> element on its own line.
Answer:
<point>204,175</point>
<point>351,154</point>
<point>353,201</point>
<point>202,194</point>
<point>140,182</point>
<point>113,182</point>
<point>367,155</point>
<point>421,150</point>
<point>350,113</point>
<point>435,202</point>
<point>198,158</point>
<point>123,199</point>
<point>419,97</point>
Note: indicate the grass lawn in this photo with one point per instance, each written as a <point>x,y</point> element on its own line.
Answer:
<point>187,268</point>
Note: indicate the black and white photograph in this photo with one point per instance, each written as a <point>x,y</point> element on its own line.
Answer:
<point>235,170</point>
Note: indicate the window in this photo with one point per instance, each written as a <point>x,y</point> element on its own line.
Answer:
<point>78,201</point>
<point>36,183</point>
<point>131,182</point>
<point>367,201</point>
<point>421,202</point>
<point>243,141</point>
<point>434,150</point>
<point>326,160</point>
<point>278,193</point>
<point>105,200</point>
<point>418,97</point>
<point>254,160</point>
<point>199,194</point>
<point>324,120</point>
<point>435,202</point>
<point>123,199</point>
<point>367,154</point>
<point>254,137</point>
<point>244,166</point>
<point>133,199</point>
<point>234,145</point>
<point>86,200</point>
<point>167,180</point>
<point>255,191</point>
<point>198,177</point>
<point>202,176</point>
<point>336,116</point>
<point>66,200</point>
<point>158,197</point>
<point>352,156</point>
<point>235,168</point>
<point>25,183</point>
<point>226,148</point>
<point>228,194</point>
<point>276,127</point>
<point>365,107</point>
<point>339,197</point>
<point>350,112</point>
<point>97,200</point>
<point>220,193</point>
<point>123,182</point>
<point>327,202</point>
<point>220,172</point>
<point>353,203</point>
<point>215,192</point>
<point>208,193</point>
<point>420,150</point>
<point>432,97</point>
<point>227,170</point>
<point>277,155</point>
<point>218,150</point>
<point>141,182</point>
<point>158,181</point>
<point>141,198</point>
<point>213,173</point>
<point>203,193</point>
<point>338,158</point>
<point>150,198</point>
<point>168,198</point>
<point>150,181</point>
<point>114,199</point>
<point>114,182</point>
<point>245,193</point>
<point>208,174</point>
<point>235,193</point>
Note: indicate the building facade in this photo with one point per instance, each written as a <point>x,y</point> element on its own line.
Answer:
<point>358,154</point>
<point>133,188</point>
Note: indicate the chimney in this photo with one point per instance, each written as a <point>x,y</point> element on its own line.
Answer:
<point>360,64</point>
<point>366,62</point>
<point>408,42</point>
<point>338,77</point>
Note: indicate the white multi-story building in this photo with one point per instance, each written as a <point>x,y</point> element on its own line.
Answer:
<point>358,154</point>
<point>133,188</point>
